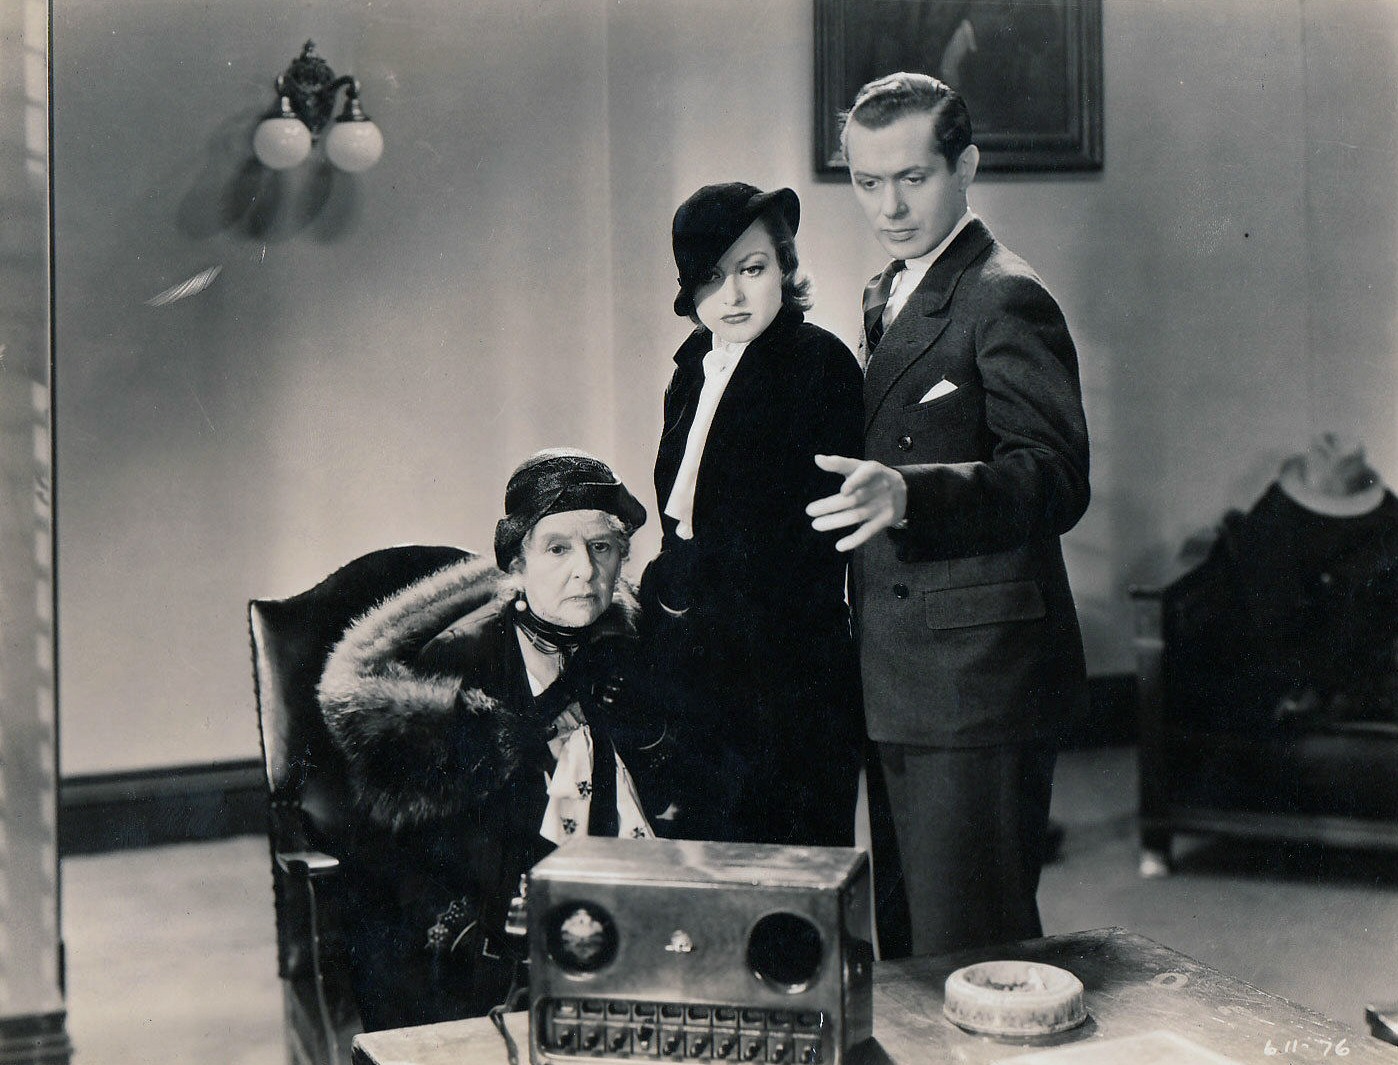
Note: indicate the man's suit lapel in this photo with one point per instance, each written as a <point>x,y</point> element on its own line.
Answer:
<point>922,319</point>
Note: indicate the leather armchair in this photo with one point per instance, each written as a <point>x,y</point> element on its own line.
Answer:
<point>311,826</point>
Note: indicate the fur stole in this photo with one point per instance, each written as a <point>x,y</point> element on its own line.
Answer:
<point>421,745</point>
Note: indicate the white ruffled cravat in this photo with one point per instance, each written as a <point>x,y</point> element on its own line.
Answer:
<point>719,365</point>
<point>570,794</point>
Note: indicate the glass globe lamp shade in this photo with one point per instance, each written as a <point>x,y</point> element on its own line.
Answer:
<point>280,143</point>
<point>354,144</point>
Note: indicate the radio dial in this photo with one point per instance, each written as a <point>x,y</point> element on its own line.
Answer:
<point>581,937</point>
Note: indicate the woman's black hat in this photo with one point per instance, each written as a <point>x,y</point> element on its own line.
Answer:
<point>707,224</point>
<point>556,480</point>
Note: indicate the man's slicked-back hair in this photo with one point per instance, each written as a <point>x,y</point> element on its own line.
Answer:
<point>885,100</point>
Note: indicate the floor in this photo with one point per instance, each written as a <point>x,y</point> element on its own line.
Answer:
<point>171,957</point>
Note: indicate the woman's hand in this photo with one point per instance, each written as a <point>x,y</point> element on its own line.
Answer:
<point>873,497</point>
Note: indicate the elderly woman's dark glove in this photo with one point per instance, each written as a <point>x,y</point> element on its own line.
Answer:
<point>606,678</point>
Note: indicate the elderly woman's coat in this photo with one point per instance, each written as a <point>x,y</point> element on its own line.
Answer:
<point>427,697</point>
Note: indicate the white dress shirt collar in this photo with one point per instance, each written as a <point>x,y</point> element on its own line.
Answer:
<point>905,282</point>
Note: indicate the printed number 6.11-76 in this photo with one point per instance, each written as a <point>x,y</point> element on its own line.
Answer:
<point>1291,1046</point>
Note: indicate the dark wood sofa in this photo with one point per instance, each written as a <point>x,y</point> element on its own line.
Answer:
<point>1207,765</point>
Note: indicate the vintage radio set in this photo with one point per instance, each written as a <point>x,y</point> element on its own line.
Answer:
<point>673,950</point>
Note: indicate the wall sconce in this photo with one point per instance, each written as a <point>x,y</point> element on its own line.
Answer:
<point>307,89</point>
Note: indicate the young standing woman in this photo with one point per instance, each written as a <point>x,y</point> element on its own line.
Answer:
<point>747,629</point>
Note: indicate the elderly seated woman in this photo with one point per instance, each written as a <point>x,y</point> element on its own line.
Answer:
<point>484,720</point>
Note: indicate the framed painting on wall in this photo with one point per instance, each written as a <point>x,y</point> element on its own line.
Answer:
<point>1030,70</point>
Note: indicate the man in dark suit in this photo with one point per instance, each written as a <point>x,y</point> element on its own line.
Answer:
<point>976,462</point>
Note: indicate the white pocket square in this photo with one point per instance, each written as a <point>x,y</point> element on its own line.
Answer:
<point>937,391</point>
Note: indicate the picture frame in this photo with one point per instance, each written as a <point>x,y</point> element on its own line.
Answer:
<point>1000,54</point>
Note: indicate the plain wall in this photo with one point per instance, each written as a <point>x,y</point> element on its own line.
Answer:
<point>378,351</point>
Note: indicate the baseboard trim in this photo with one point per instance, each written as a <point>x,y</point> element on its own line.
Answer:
<point>177,804</point>
<point>35,1039</point>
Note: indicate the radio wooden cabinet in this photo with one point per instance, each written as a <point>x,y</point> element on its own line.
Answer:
<point>697,951</point>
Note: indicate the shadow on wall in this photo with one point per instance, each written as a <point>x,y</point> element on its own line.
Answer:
<point>234,193</point>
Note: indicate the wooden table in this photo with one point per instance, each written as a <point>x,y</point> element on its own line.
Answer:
<point>1133,987</point>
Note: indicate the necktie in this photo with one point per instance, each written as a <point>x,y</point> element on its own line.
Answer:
<point>876,294</point>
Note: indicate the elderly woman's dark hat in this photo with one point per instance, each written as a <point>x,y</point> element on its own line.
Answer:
<point>555,480</point>
<point>707,224</point>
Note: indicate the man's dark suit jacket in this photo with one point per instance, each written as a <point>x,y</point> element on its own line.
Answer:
<point>968,635</point>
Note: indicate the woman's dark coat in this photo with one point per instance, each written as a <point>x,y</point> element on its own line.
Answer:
<point>446,748</point>
<point>760,667</point>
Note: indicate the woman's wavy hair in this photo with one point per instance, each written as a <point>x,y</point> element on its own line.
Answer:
<point>615,524</point>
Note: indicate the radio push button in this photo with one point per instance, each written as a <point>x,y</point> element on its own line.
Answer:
<point>807,1051</point>
<point>725,1044</point>
<point>618,1040</point>
<point>752,1047</point>
<point>697,1045</point>
<point>780,1039</point>
<point>563,1037</point>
